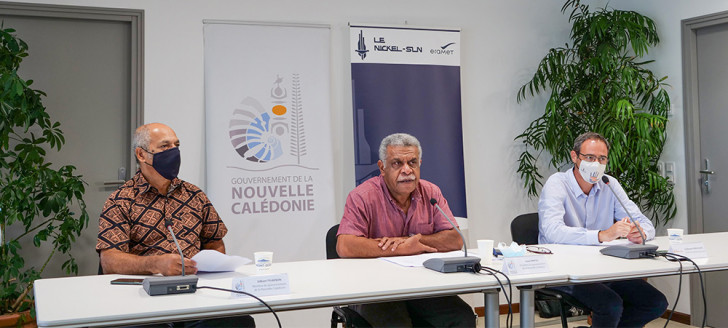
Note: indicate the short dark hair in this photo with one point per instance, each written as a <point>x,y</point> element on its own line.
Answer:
<point>589,136</point>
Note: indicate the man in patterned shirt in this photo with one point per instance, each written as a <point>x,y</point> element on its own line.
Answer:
<point>133,238</point>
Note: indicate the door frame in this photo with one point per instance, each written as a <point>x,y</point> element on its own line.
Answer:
<point>135,17</point>
<point>691,116</point>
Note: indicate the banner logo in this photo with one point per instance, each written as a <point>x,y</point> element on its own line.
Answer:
<point>443,50</point>
<point>265,133</point>
<point>361,47</point>
<point>447,45</point>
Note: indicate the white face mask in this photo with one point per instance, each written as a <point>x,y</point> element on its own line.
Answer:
<point>592,171</point>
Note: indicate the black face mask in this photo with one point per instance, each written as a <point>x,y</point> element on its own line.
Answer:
<point>166,163</point>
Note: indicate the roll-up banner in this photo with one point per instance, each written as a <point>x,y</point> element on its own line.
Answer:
<point>408,80</point>
<point>268,136</point>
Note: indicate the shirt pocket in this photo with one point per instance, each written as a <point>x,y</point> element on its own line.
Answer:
<point>425,228</point>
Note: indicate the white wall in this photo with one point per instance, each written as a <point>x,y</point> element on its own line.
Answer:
<point>502,42</point>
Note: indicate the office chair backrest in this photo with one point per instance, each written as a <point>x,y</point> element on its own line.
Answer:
<point>331,243</point>
<point>524,229</point>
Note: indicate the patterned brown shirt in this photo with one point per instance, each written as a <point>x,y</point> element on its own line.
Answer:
<point>132,220</point>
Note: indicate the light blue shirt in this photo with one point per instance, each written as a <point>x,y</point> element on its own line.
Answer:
<point>568,216</point>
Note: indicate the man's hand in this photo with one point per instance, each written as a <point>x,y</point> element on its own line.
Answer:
<point>171,265</point>
<point>634,235</point>
<point>350,246</point>
<point>412,245</point>
<point>393,242</point>
<point>116,261</point>
<point>620,228</point>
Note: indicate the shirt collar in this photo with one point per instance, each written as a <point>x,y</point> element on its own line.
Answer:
<point>144,186</point>
<point>574,186</point>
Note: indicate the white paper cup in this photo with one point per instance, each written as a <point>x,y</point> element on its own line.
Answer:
<point>485,250</point>
<point>263,261</point>
<point>675,235</point>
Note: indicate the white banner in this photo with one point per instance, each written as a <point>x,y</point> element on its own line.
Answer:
<point>268,137</point>
<point>405,45</point>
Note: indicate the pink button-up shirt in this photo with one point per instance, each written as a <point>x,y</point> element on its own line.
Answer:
<point>372,212</point>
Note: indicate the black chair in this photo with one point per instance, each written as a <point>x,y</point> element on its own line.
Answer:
<point>342,314</point>
<point>101,269</point>
<point>524,230</point>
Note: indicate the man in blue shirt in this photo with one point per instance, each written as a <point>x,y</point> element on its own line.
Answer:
<point>577,208</point>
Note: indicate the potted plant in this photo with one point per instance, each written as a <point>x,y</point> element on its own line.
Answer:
<point>37,201</point>
<point>600,83</point>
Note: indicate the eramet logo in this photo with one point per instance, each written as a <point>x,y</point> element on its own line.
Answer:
<point>443,50</point>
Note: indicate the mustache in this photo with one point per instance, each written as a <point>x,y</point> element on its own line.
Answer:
<point>410,177</point>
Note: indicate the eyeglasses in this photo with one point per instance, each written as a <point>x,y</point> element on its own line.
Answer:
<point>593,158</point>
<point>538,250</point>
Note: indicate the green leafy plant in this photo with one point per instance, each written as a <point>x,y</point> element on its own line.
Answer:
<point>35,199</point>
<point>598,83</point>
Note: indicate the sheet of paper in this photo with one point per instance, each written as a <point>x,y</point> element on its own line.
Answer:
<point>616,242</point>
<point>416,260</point>
<point>213,261</point>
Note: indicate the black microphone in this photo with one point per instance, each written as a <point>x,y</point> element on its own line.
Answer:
<point>171,285</point>
<point>631,251</point>
<point>453,264</point>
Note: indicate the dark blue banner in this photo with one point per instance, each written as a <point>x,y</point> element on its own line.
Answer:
<point>422,100</point>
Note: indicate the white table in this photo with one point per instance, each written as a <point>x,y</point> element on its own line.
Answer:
<point>585,264</point>
<point>92,301</point>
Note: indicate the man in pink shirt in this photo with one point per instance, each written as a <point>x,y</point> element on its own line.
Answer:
<point>391,215</point>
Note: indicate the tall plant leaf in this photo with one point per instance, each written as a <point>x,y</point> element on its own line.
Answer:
<point>599,83</point>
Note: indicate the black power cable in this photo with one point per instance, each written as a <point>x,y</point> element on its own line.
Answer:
<point>504,294</point>
<point>249,294</point>
<point>494,272</point>
<point>680,258</point>
<point>679,288</point>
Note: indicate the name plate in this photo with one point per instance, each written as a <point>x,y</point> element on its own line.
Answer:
<point>693,250</point>
<point>263,285</point>
<point>525,265</point>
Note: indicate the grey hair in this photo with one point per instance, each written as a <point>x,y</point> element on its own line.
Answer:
<point>588,136</point>
<point>141,138</point>
<point>398,140</point>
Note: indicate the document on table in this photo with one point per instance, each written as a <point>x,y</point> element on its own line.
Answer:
<point>416,260</point>
<point>620,241</point>
<point>213,261</point>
